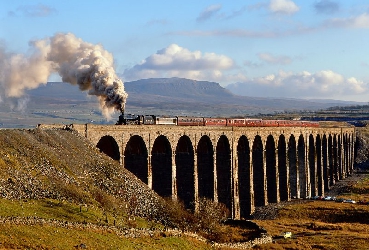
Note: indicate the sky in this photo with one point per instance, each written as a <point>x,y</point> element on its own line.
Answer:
<point>273,48</point>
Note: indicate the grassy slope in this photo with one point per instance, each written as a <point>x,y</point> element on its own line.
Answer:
<point>58,191</point>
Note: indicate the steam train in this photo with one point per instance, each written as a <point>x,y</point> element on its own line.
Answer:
<point>131,119</point>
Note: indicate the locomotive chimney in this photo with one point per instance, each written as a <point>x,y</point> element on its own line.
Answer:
<point>121,117</point>
<point>121,109</point>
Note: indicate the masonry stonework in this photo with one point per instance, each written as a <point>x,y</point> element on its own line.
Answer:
<point>242,167</point>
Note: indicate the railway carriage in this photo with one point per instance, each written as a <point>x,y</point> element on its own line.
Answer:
<point>131,119</point>
<point>160,120</point>
<point>190,121</point>
<point>215,121</point>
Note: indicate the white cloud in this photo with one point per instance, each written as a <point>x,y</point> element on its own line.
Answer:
<point>39,10</point>
<point>359,22</point>
<point>323,84</point>
<point>209,12</point>
<point>176,61</point>
<point>269,58</point>
<point>283,6</point>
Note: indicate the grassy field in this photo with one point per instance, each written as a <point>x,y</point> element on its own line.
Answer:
<point>323,224</point>
<point>52,224</point>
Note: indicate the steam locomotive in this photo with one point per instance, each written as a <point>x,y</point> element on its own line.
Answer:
<point>131,119</point>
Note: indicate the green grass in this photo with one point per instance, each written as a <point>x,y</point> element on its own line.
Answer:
<point>47,224</point>
<point>49,209</point>
<point>50,237</point>
<point>64,211</point>
<point>62,193</point>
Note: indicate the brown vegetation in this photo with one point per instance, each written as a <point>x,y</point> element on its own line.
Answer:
<point>54,183</point>
<point>320,225</point>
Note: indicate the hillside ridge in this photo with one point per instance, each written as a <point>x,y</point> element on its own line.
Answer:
<point>60,164</point>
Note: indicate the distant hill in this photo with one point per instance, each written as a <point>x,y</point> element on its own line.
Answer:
<point>193,97</point>
<point>178,88</point>
<point>58,102</point>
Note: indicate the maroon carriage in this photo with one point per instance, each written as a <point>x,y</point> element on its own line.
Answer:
<point>190,121</point>
<point>215,122</point>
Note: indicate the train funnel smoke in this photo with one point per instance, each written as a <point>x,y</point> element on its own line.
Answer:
<point>77,62</point>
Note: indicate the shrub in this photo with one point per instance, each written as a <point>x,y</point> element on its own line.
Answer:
<point>107,202</point>
<point>207,220</point>
<point>211,213</point>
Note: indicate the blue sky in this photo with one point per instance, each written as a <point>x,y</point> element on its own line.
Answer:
<point>272,48</point>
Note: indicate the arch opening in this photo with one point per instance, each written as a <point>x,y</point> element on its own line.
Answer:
<point>319,166</point>
<point>335,159</point>
<point>330,161</point>
<point>301,167</point>
<point>205,168</point>
<point>325,163</point>
<point>185,172</point>
<point>258,172</point>
<point>282,169</point>
<point>224,172</point>
<point>312,166</point>
<point>161,162</point>
<point>339,158</point>
<point>109,146</point>
<point>136,158</point>
<point>244,176</point>
<point>292,160</point>
<point>271,170</point>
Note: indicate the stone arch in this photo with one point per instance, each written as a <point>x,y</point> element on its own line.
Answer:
<point>271,170</point>
<point>185,172</point>
<point>224,172</point>
<point>335,158</point>
<point>244,176</point>
<point>312,166</point>
<point>282,169</point>
<point>301,166</point>
<point>330,161</point>
<point>352,145</point>
<point>205,168</point>
<point>325,166</point>
<point>346,149</point>
<point>161,163</point>
<point>258,171</point>
<point>292,160</point>
<point>108,145</point>
<point>319,167</point>
<point>339,158</point>
<point>136,158</point>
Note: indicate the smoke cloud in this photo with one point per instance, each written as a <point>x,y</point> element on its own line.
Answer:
<point>77,62</point>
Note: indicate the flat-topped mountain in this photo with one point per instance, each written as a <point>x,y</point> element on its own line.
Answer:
<point>58,102</point>
<point>209,98</point>
<point>179,88</point>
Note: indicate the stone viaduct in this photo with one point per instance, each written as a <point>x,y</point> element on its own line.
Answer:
<point>241,167</point>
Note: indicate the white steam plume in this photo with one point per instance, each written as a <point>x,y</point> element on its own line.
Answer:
<point>80,63</point>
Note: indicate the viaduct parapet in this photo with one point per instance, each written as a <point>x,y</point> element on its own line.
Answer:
<point>241,167</point>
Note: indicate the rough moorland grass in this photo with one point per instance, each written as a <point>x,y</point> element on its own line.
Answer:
<point>50,237</point>
<point>47,224</point>
<point>63,211</point>
<point>58,191</point>
<point>323,224</point>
